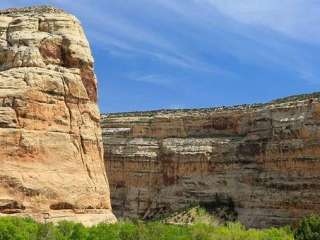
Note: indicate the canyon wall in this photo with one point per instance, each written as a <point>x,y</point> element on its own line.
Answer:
<point>259,163</point>
<point>51,156</point>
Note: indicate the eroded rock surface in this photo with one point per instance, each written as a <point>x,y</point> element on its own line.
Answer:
<point>51,156</point>
<point>262,160</point>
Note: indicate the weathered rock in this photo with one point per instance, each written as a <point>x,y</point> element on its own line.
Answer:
<point>50,138</point>
<point>263,160</point>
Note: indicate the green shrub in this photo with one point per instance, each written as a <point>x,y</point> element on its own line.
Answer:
<point>17,229</point>
<point>48,232</point>
<point>129,231</point>
<point>308,229</point>
<point>27,229</point>
<point>72,231</point>
<point>103,232</point>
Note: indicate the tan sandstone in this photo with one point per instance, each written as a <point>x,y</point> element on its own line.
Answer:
<point>51,157</point>
<point>258,163</point>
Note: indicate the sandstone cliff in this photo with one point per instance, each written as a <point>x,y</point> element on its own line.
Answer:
<point>260,161</point>
<point>51,156</point>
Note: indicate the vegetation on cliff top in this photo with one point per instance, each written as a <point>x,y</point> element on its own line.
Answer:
<point>153,113</point>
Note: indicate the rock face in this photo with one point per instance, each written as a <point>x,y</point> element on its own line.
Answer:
<point>262,161</point>
<point>51,156</point>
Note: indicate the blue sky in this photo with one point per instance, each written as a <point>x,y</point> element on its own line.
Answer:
<point>153,54</point>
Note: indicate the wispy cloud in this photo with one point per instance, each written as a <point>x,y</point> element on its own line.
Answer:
<point>132,34</point>
<point>208,45</point>
<point>124,33</point>
<point>160,80</point>
<point>296,18</point>
<point>176,106</point>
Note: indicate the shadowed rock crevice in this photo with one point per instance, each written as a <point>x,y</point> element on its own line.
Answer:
<point>221,206</point>
<point>8,206</point>
<point>62,206</point>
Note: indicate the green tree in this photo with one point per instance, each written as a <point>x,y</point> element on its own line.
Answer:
<point>308,229</point>
<point>17,229</point>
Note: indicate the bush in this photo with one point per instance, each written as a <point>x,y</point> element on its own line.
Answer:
<point>72,231</point>
<point>48,232</point>
<point>308,229</point>
<point>27,229</point>
<point>104,231</point>
<point>18,229</point>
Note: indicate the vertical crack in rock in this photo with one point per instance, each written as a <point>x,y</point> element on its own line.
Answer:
<point>48,142</point>
<point>65,97</point>
<point>14,107</point>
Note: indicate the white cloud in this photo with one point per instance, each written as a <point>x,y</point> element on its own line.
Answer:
<point>160,80</point>
<point>298,19</point>
<point>119,32</point>
<point>199,20</point>
<point>176,106</point>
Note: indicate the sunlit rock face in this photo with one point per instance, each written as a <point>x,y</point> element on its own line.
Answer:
<point>51,156</point>
<point>261,160</point>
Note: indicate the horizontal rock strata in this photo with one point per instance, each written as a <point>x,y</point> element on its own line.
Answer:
<point>51,156</point>
<point>260,163</point>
